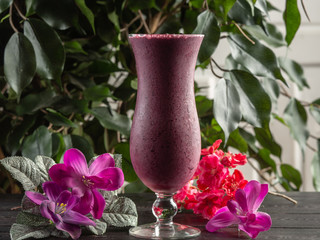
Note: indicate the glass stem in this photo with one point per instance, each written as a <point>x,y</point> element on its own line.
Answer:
<point>164,209</point>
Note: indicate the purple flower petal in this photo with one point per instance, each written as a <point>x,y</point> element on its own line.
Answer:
<point>73,230</point>
<point>262,223</point>
<point>263,193</point>
<point>241,198</point>
<point>75,159</point>
<point>47,209</point>
<point>52,190</point>
<point>68,199</point>
<point>74,217</point>
<point>113,178</point>
<point>252,190</point>
<point>35,197</point>
<point>99,204</point>
<point>101,162</point>
<point>233,207</point>
<point>64,175</point>
<point>223,218</point>
<point>85,204</point>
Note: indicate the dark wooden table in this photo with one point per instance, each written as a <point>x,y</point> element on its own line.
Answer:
<point>301,221</point>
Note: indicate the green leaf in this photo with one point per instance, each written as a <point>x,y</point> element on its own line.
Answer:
<point>292,19</point>
<point>60,14</point>
<point>315,169</point>
<point>296,118</point>
<point>39,143</point>
<point>274,37</point>
<point>103,68</point>
<point>315,110</point>
<point>44,164</point>
<point>223,7</point>
<point>207,25</point>
<point>57,119</point>
<point>266,140</point>
<point>81,143</point>
<point>262,6</point>
<point>97,93</point>
<point>5,4</point>
<point>259,59</point>
<point>99,229</point>
<point>242,12</point>
<point>292,175</point>
<point>23,170</point>
<point>272,88</point>
<point>112,120</point>
<point>86,12</point>
<point>121,213</point>
<point>127,168</point>
<point>255,103</point>
<point>16,136</point>
<point>226,106</point>
<point>33,102</point>
<point>294,71</point>
<point>204,105</point>
<point>136,187</point>
<point>74,47</point>
<point>136,5</point>
<point>265,156</point>
<point>250,139</point>
<point>50,55</point>
<point>30,219</point>
<point>27,205</point>
<point>21,231</point>
<point>19,62</point>
<point>237,141</point>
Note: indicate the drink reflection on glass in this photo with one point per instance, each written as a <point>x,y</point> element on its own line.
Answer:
<point>165,141</point>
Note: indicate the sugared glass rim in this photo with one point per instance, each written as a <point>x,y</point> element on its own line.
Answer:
<point>164,35</point>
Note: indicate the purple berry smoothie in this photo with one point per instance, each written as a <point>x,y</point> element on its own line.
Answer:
<point>165,141</point>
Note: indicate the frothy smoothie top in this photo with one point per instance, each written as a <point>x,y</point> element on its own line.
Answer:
<point>165,36</point>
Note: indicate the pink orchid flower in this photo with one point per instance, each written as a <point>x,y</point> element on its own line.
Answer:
<point>57,206</point>
<point>74,173</point>
<point>243,211</point>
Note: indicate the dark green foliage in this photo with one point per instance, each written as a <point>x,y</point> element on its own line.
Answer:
<point>68,79</point>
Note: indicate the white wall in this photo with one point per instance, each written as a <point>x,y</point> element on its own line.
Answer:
<point>304,49</point>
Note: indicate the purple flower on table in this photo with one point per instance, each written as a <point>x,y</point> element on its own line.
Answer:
<point>57,205</point>
<point>243,211</point>
<point>84,181</point>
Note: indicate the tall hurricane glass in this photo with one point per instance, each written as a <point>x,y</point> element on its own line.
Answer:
<point>165,141</point>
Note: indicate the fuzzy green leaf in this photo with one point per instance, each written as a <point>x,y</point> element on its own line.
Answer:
<point>23,170</point>
<point>44,164</point>
<point>121,213</point>
<point>21,231</point>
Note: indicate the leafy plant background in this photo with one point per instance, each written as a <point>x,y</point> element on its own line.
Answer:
<point>68,79</point>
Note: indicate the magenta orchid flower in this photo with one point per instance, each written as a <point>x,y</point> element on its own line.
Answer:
<point>74,173</point>
<point>243,211</point>
<point>57,206</point>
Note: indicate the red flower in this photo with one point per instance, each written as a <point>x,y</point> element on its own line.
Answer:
<point>211,149</point>
<point>234,182</point>
<point>232,160</point>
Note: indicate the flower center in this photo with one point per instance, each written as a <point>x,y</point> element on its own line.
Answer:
<point>60,208</point>
<point>87,182</point>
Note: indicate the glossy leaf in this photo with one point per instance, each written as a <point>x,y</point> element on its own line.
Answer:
<point>103,68</point>
<point>19,62</point>
<point>250,139</point>
<point>272,89</point>
<point>296,118</point>
<point>207,25</point>
<point>5,4</point>
<point>204,105</point>
<point>274,37</point>
<point>242,12</point>
<point>112,120</point>
<point>264,153</point>
<point>291,174</point>
<point>136,5</point>
<point>237,141</point>
<point>60,14</point>
<point>33,102</point>
<point>259,59</point>
<point>266,140</point>
<point>262,6</point>
<point>226,106</point>
<point>23,170</point>
<point>292,19</point>
<point>57,119</point>
<point>128,171</point>
<point>39,143</point>
<point>255,103</point>
<point>50,55</point>
<point>97,93</point>
<point>223,7</point>
<point>315,168</point>
<point>294,71</point>
<point>74,47</point>
<point>315,110</point>
<point>81,143</point>
<point>81,4</point>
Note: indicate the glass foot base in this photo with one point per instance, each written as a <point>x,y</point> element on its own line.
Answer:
<point>172,231</point>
